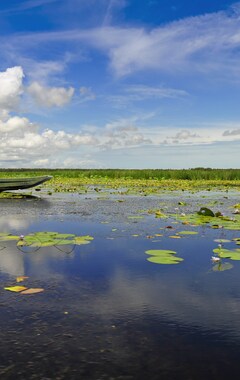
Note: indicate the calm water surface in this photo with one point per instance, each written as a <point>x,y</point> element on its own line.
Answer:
<point>108,313</point>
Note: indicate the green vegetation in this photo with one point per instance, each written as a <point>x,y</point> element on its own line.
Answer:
<point>163,256</point>
<point>127,181</point>
<point>46,239</point>
<point>159,174</point>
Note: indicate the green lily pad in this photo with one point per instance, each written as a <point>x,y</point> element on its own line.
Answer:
<point>204,211</point>
<point>228,254</point>
<point>222,241</point>
<point>163,256</point>
<point>188,232</point>
<point>79,240</point>
<point>7,237</point>
<point>49,239</point>
<point>168,259</point>
<point>215,221</point>
<point>157,252</point>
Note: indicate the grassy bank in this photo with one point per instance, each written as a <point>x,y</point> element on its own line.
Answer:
<point>142,174</point>
<point>133,181</point>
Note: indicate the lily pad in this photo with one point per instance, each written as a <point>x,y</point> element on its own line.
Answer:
<point>157,252</point>
<point>204,211</point>
<point>222,241</point>
<point>7,237</point>
<point>50,239</point>
<point>228,254</point>
<point>16,288</point>
<point>188,232</point>
<point>163,256</point>
<point>32,291</point>
<point>168,259</point>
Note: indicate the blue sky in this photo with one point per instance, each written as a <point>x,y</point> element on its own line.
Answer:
<point>119,83</point>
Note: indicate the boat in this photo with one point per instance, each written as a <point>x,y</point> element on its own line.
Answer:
<point>21,182</point>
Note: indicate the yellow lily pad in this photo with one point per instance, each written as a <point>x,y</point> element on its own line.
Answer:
<point>21,278</point>
<point>32,291</point>
<point>16,288</point>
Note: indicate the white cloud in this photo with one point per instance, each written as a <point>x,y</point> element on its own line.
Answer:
<point>15,124</point>
<point>112,6</point>
<point>122,133</point>
<point>50,96</point>
<point>185,135</point>
<point>234,132</point>
<point>205,44</point>
<point>10,88</point>
<point>26,5</point>
<point>141,92</point>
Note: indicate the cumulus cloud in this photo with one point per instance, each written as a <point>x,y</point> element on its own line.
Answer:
<point>123,133</point>
<point>10,88</point>
<point>20,139</point>
<point>50,96</point>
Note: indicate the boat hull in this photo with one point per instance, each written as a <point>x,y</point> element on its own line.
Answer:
<point>22,183</point>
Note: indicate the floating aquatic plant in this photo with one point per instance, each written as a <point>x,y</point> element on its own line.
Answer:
<point>206,216</point>
<point>163,256</point>
<point>227,253</point>
<point>49,239</point>
<point>188,232</point>
<point>46,239</point>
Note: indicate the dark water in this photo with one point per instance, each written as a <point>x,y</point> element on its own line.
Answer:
<point>108,313</point>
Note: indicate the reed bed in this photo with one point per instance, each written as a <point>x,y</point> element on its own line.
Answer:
<point>207,174</point>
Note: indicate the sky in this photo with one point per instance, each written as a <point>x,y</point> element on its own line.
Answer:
<point>132,84</point>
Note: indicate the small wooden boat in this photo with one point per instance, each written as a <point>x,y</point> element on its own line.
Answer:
<point>22,183</point>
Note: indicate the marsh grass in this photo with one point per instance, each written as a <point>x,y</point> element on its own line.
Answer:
<point>144,181</point>
<point>159,174</point>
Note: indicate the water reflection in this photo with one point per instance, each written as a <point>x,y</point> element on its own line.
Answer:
<point>13,222</point>
<point>106,312</point>
<point>122,283</point>
<point>11,262</point>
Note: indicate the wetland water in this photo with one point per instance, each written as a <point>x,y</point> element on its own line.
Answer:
<point>106,312</point>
